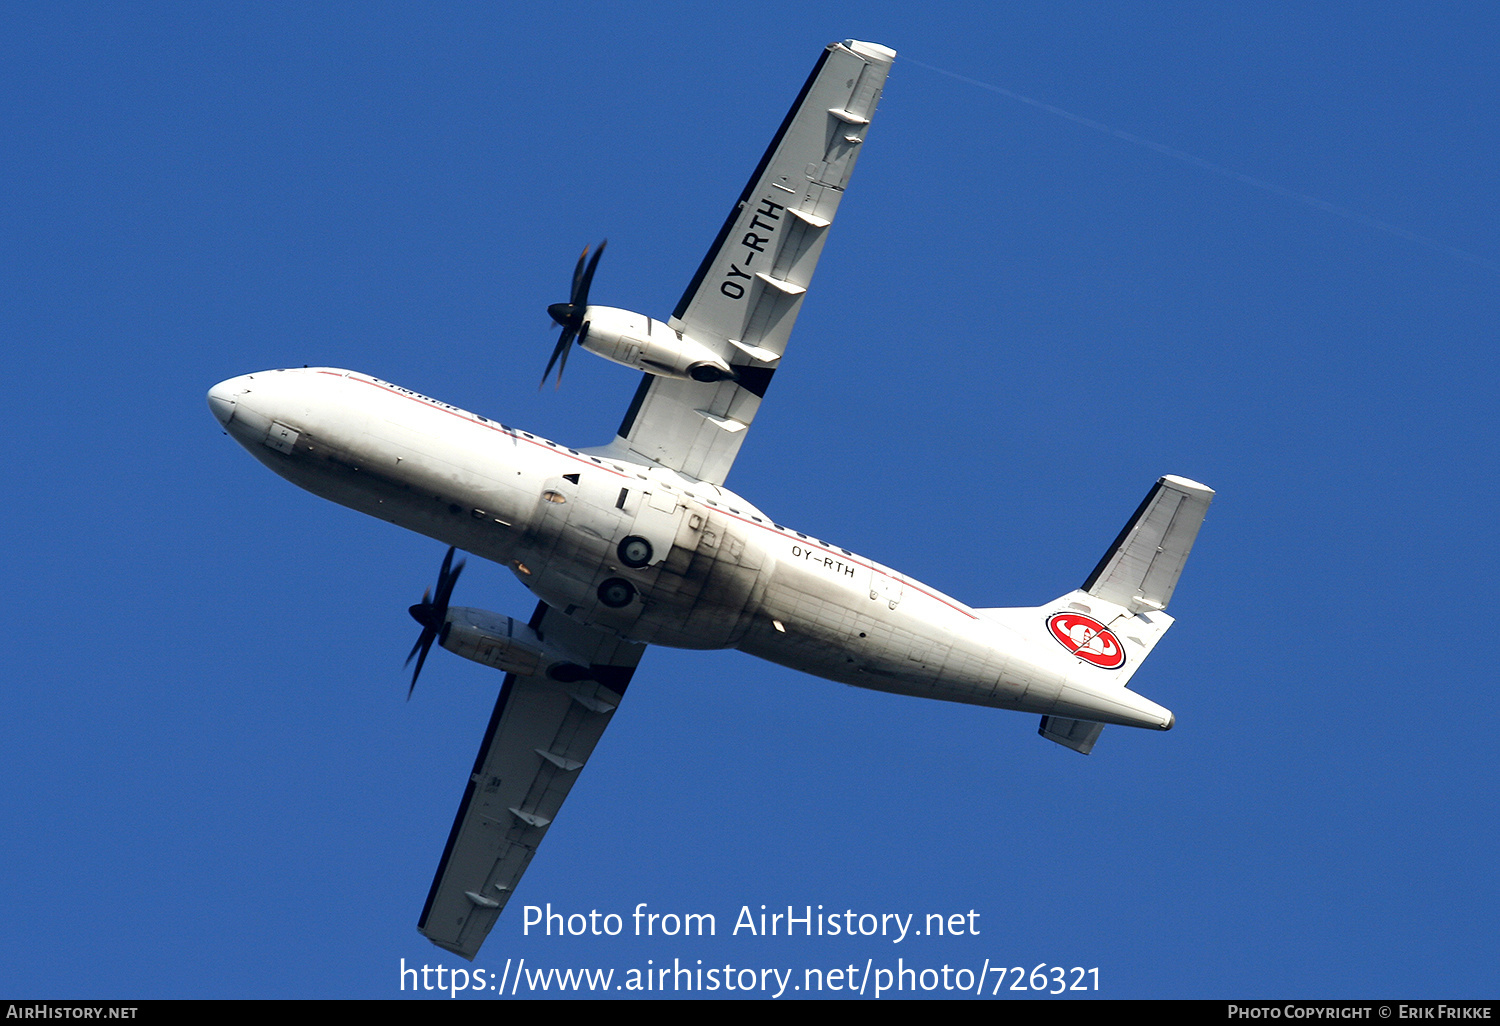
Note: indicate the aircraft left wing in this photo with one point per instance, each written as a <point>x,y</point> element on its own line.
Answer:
<point>540,735</point>
<point>744,298</point>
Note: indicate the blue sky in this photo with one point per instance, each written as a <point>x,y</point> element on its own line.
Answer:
<point>1267,258</point>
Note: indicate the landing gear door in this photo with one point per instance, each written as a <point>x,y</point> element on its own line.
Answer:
<point>657,514</point>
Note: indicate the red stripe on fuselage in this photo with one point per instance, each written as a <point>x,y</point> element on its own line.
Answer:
<point>473,418</point>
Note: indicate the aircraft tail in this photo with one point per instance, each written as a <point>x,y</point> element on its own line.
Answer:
<point>1117,617</point>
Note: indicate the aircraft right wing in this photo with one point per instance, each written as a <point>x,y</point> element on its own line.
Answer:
<point>744,298</point>
<point>540,735</point>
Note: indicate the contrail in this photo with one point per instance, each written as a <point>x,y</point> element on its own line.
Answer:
<point>1219,169</point>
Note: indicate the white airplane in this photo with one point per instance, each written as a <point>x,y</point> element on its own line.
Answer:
<point>638,542</point>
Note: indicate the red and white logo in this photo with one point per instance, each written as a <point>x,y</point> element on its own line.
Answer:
<point>1088,639</point>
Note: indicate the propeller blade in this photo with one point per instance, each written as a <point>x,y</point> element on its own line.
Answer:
<point>432,613</point>
<point>581,294</point>
<point>569,316</point>
<point>447,580</point>
<point>422,639</point>
<point>566,350</point>
<point>417,672</point>
<point>578,276</point>
<point>561,349</point>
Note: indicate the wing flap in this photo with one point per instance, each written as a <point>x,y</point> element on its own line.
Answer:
<point>540,736</point>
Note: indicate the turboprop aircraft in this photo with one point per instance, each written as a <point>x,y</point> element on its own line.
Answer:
<point>639,543</point>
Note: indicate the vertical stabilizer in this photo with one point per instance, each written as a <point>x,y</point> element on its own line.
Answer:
<point>1140,570</point>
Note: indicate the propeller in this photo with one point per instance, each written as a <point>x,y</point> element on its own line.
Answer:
<point>570,314</point>
<point>431,612</point>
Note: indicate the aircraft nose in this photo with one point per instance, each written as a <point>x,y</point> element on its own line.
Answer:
<point>221,400</point>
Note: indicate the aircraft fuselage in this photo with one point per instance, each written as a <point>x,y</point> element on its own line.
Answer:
<point>646,553</point>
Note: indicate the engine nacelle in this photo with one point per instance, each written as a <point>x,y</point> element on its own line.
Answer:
<point>636,340</point>
<point>508,645</point>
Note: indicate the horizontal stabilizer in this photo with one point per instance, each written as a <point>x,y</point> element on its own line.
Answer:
<point>1141,569</point>
<point>1078,735</point>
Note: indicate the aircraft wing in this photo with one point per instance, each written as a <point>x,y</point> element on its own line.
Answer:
<point>746,294</point>
<point>541,734</point>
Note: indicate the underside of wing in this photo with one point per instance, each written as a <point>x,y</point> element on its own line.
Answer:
<point>540,736</point>
<point>746,294</point>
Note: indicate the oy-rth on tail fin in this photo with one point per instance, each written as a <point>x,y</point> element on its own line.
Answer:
<point>1128,592</point>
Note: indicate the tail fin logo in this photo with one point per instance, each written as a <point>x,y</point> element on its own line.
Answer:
<point>1088,639</point>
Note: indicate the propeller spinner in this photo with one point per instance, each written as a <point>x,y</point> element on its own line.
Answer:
<point>570,314</point>
<point>431,613</point>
